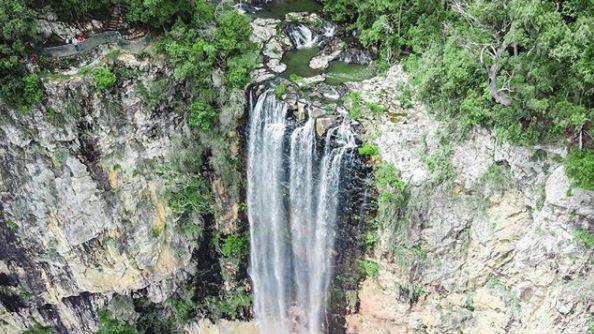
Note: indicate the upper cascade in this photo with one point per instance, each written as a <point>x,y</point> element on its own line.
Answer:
<point>303,37</point>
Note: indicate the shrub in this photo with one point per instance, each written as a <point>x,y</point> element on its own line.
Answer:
<point>33,91</point>
<point>438,163</point>
<point>579,167</point>
<point>280,90</point>
<point>235,304</point>
<point>369,150</point>
<point>391,187</point>
<point>202,115</point>
<point>104,77</point>
<point>39,329</point>
<point>585,237</point>
<point>194,196</point>
<point>235,245</point>
<point>239,68</point>
<point>108,325</point>
<point>496,179</point>
<point>369,268</point>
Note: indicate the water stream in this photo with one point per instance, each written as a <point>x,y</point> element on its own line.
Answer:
<point>295,194</point>
<point>293,197</point>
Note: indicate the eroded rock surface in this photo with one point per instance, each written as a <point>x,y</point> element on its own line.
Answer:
<point>478,253</point>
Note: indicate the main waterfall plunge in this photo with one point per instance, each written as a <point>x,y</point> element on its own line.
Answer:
<point>293,197</point>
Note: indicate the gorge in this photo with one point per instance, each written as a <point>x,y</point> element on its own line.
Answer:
<point>296,166</point>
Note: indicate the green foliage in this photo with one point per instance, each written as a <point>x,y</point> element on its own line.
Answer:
<point>438,163</point>
<point>392,189</point>
<point>353,102</point>
<point>232,34</point>
<point>579,166</point>
<point>232,305</point>
<point>406,97</point>
<point>162,14</point>
<point>235,245</point>
<point>12,225</point>
<point>183,309</point>
<point>369,268</point>
<point>72,10</point>
<point>280,90</point>
<point>33,92</point>
<point>496,179</point>
<point>590,329</point>
<point>370,233</point>
<point>369,150</point>
<point>202,115</point>
<point>375,108</point>
<point>17,88</point>
<point>585,237</point>
<point>193,196</point>
<point>109,325</point>
<point>39,329</point>
<point>295,78</point>
<point>104,77</point>
<point>522,68</point>
<point>239,68</point>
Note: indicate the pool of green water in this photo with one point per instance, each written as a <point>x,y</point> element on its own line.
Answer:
<point>338,72</point>
<point>297,62</point>
<point>277,9</point>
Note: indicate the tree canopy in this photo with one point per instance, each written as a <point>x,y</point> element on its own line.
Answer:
<point>522,67</point>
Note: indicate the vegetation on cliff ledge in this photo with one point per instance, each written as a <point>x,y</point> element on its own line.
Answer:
<point>524,68</point>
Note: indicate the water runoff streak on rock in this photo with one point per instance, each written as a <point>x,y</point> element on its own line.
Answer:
<point>293,197</point>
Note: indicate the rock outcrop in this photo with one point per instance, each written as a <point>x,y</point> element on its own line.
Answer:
<point>85,214</point>
<point>490,250</point>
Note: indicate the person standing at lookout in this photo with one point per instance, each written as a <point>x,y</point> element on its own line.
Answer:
<point>76,43</point>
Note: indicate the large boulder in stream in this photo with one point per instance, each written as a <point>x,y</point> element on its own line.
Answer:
<point>323,124</point>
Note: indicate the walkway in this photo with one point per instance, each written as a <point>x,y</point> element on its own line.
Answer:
<point>135,45</point>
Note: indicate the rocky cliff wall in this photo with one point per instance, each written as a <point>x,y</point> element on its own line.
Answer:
<point>487,240</point>
<point>87,179</point>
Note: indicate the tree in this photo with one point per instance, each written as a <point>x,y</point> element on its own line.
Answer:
<point>16,38</point>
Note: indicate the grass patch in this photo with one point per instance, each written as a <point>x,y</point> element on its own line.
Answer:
<point>353,103</point>
<point>39,329</point>
<point>109,325</point>
<point>585,237</point>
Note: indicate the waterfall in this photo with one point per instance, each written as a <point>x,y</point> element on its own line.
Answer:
<point>302,37</point>
<point>329,30</point>
<point>266,213</point>
<point>294,183</point>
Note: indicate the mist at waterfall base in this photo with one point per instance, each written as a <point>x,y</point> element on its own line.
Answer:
<point>296,182</point>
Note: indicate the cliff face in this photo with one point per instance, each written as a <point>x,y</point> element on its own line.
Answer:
<point>486,242</point>
<point>85,211</point>
<point>89,217</point>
